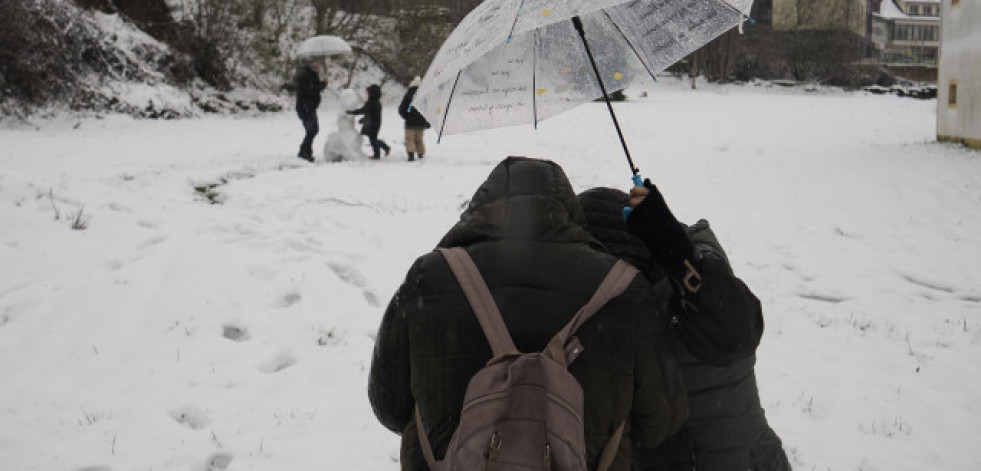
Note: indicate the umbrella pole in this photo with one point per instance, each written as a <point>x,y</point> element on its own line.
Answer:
<point>577,22</point>
<point>446,112</point>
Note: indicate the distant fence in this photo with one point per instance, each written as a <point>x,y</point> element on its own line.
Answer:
<point>915,72</point>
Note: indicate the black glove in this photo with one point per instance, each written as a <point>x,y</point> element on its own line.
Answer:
<point>666,238</point>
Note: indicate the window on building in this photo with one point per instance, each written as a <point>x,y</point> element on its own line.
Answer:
<point>901,32</point>
<point>952,94</point>
<point>954,3</point>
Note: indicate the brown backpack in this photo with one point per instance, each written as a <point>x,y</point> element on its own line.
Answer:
<point>522,411</point>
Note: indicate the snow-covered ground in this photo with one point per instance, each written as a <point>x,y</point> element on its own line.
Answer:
<point>175,334</point>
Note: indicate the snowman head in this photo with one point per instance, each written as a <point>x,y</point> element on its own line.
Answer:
<point>349,99</point>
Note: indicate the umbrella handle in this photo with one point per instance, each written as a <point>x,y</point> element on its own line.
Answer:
<point>638,181</point>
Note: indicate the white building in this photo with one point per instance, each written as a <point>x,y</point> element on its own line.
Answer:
<point>959,81</point>
<point>906,30</point>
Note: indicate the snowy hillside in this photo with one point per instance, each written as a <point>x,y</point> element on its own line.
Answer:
<point>170,333</point>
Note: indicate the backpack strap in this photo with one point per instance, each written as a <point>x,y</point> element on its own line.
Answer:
<point>480,298</point>
<point>427,448</point>
<point>615,283</point>
<point>610,450</point>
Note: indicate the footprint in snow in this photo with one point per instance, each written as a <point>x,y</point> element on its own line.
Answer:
<point>288,299</point>
<point>190,416</point>
<point>308,244</point>
<point>827,298</point>
<point>371,299</point>
<point>218,461</point>
<point>152,242</point>
<point>350,275</point>
<point>347,273</point>
<point>235,333</point>
<point>119,207</point>
<point>277,363</point>
<point>929,284</point>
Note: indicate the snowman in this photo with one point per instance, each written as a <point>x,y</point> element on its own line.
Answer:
<point>345,143</point>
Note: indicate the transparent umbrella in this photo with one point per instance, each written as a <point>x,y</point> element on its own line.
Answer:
<point>513,62</point>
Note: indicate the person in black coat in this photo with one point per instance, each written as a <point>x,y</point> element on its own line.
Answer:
<point>526,233</point>
<point>372,121</point>
<point>716,325</point>
<point>309,85</point>
<point>415,123</point>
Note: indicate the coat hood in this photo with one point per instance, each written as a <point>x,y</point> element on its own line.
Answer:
<point>374,92</point>
<point>604,214</point>
<point>603,208</point>
<point>523,199</point>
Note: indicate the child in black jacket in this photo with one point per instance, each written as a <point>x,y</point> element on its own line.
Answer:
<point>371,122</point>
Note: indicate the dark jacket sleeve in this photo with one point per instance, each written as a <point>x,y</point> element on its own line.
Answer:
<point>319,85</point>
<point>362,110</point>
<point>724,320</point>
<point>404,106</point>
<point>308,85</point>
<point>388,380</point>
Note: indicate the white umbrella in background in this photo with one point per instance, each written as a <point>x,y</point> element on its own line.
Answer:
<point>321,47</point>
<point>520,61</point>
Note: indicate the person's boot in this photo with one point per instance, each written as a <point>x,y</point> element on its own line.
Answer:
<point>421,156</point>
<point>412,156</point>
<point>388,151</point>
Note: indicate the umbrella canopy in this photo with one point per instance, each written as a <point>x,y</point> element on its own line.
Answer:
<point>520,61</point>
<point>322,46</point>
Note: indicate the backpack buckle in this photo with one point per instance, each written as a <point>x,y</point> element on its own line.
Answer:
<point>495,442</point>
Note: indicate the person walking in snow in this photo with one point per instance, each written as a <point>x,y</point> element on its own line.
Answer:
<point>526,233</point>
<point>415,124</point>
<point>309,85</point>
<point>716,322</point>
<point>372,120</point>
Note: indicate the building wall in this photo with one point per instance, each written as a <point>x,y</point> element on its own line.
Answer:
<point>960,64</point>
<point>820,15</point>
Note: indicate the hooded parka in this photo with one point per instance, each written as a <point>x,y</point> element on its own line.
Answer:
<point>372,111</point>
<point>525,231</point>
<point>413,118</point>
<point>727,428</point>
<point>308,88</point>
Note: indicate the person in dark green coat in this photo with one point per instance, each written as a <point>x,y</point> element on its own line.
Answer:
<point>715,331</point>
<point>526,233</point>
